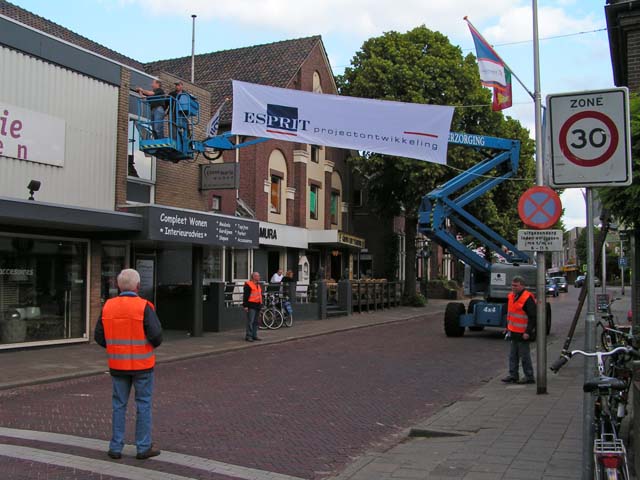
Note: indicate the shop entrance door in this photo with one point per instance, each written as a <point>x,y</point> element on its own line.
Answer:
<point>273,263</point>
<point>336,265</point>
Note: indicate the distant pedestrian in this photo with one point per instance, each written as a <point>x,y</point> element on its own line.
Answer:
<point>252,303</point>
<point>157,106</point>
<point>521,325</point>
<point>277,277</point>
<point>288,277</point>
<point>130,330</point>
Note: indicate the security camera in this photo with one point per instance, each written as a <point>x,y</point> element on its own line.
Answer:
<point>34,186</point>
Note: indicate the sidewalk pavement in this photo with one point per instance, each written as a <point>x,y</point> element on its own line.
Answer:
<point>49,364</point>
<point>498,432</point>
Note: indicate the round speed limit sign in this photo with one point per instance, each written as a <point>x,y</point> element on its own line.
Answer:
<point>590,143</point>
<point>588,138</point>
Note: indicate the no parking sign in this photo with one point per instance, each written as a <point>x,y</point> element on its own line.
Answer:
<point>590,138</point>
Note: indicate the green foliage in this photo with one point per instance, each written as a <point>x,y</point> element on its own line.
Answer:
<point>623,202</point>
<point>416,300</point>
<point>422,66</point>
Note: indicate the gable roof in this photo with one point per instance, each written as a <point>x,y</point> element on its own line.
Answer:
<point>274,64</point>
<point>47,26</point>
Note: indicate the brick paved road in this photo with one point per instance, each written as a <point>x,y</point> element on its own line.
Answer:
<point>303,408</point>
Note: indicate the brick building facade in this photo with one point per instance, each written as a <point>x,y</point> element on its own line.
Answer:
<point>105,205</point>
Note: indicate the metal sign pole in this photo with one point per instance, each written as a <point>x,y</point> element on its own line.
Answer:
<point>589,346</point>
<point>541,325</point>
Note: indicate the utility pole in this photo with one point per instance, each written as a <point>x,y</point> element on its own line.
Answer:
<point>541,339</point>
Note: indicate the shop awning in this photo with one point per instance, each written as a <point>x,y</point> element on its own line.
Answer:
<point>335,238</point>
<point>36,214</point>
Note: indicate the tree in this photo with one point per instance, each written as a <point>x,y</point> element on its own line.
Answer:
<point>623,202</point>
<point>422,66</point>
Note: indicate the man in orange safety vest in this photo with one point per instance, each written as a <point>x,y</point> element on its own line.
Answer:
<point>521,325</point>
<point>252,303</point>
<point>130,331</point>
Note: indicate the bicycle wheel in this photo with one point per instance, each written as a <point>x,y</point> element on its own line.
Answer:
<point>266,319</point>
<point>273,318</point>
<point>288,319</point>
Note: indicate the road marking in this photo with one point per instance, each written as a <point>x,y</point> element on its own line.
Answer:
<point>198,463</point>
<point>85,464</point>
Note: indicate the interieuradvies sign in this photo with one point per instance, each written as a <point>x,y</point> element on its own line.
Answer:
<point>32,136</point>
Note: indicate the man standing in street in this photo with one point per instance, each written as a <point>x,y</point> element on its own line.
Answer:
<point>521,324</point>
<point>130,330</point>
<point>252,303</point>
<point>157,106</point>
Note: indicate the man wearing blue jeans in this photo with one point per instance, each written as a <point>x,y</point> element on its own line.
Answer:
<point>157,106</point>
<point>130,331</point>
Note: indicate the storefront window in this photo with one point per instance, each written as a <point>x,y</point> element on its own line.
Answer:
<point>241,264</point>
<point>335,200</point>
<point>43,289</point>
<point>212,264</point>
<point>114,258</point>
<point>276,189</point>
<point>313,201</point>
<point>140,165</point>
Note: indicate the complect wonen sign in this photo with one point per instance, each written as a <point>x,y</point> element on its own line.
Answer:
<point>176,225</point>
<point>391,128</point>
<point>32,136</point>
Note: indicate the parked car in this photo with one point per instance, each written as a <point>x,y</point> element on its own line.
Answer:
<point>551,288</point>
<point>563,286</point>
<point>582,278</point>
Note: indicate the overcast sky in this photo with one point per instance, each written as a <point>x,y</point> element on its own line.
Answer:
<point>577,59</point>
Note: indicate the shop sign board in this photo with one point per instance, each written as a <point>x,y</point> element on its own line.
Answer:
<point>283,235</point>
<point>590,138</point>
<point>540,240</point>
<point>31,136</point>
<point>186,226</point>
<point>220,176</point>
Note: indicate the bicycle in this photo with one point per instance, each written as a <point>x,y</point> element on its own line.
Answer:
<point>271,316</point>
<point>286,309</point>
<point>611,334</point>
<point>609,452</point>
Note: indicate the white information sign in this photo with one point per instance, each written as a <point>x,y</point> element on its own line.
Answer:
<point>590,138</point>
<point>540,240</point>
<point>392,128</point>
<point>498,279</point>
<point>32,136</point>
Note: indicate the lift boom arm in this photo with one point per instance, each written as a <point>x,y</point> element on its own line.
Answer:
<point>442,203</point>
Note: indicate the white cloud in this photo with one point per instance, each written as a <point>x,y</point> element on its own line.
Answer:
<point>357,17</point>
<point>516,24</point>
<point>574,207</point>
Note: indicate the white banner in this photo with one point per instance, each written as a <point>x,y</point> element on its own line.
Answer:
<point>390,128</point>
<point>33,136</point>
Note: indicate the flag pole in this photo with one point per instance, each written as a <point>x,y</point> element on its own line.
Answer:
<point>533,97</point>
<point>193,48</point>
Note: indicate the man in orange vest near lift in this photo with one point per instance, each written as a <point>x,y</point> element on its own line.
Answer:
<point>521,325</point>
<point>130,331</point>
<point>252,303</point>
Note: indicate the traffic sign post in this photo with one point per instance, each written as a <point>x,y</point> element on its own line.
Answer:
<point>590,138</point>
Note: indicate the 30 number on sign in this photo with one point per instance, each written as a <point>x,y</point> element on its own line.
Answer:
<point>592,132</point>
